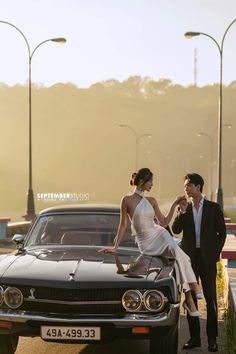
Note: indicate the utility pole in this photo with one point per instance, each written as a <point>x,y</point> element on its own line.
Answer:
<point>195,67</point>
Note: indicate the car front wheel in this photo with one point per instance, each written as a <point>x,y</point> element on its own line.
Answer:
<point>8,343</point>
<point>164,341</point>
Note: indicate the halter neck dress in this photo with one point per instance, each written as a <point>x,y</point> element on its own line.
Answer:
<point>155,240</point>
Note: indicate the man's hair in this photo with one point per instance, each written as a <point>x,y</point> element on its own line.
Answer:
<point>195,179</point>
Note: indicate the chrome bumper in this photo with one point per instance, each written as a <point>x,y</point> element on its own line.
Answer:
<point>129,320</point>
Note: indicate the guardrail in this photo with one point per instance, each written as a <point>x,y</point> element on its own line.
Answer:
<point>3,226</point>
<point>20,227</point>
<point>230,227</point>
<point>229,250</point>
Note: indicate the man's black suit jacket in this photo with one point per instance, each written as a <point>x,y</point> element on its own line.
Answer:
<point>213,232</point>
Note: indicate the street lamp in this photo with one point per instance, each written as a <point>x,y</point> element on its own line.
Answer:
<point>30,214</point>
<point>210,139</point>
<point>232,179</point>
<point>137,139</point>
<point>219,191</point>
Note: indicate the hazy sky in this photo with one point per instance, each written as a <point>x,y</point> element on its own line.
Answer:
<point>114,39</point>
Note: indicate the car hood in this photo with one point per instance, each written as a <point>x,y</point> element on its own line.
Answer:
<point>81,267</point>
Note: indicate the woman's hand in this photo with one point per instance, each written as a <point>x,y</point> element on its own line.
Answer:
<point>183,205</point>
<point>179,200</point>
<point>108,250</point>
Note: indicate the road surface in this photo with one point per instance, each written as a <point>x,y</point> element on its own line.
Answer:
<point>38,346</point>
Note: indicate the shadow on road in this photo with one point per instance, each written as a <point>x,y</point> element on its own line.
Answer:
<point>118,347</point>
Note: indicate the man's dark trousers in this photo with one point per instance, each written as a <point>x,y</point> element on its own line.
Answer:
<point>207,274</point>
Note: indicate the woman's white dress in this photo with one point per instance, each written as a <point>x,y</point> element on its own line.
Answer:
<point>155,240</point>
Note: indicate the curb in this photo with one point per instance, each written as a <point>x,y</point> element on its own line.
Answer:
<point>6,242</point>
<point>230,287</point>
<point>232,291</point>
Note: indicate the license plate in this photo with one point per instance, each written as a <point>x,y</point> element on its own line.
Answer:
<point>70,333</point>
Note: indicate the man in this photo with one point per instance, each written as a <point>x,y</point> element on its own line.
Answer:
<point>203,226</point>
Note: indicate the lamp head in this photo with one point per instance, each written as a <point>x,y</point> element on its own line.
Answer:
<point>189,35</point>
<point>199,134</point>
<point>59,40</point>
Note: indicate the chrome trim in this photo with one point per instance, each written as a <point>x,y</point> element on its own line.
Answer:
<point>13,288</point>
<point>163,301</point>
<point>1,295</point>
<point>162,319</point>
<point>139,294</point>
<point>114,302</point>
<point>143,307</point>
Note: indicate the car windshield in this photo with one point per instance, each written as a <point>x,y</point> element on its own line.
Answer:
<point>83,229</point>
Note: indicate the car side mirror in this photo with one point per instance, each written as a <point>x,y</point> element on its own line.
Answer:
<point>18,239</point>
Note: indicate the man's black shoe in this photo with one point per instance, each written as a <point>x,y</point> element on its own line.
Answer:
<point>192,343</point>
<point>212,345</point>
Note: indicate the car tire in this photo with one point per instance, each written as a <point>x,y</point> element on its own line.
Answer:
<point>8,343</point>
<point>164,341</point>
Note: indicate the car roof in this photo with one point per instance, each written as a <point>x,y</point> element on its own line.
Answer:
<point>73,208</point>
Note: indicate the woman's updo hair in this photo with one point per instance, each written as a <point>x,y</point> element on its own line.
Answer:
<point>144,174</point>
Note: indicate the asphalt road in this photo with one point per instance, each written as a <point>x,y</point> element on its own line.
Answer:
<point>38,346</point>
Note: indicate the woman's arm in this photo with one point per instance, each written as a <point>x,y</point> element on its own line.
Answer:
<point>121,229</point>
<point>165,219</point>
<point>178,223</point>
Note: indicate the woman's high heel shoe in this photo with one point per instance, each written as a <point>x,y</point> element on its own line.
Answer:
<point>198,291</point>
<point>200,295</point>
<point>193,314</point>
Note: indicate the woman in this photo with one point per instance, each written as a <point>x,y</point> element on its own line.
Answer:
<point>152,238</point>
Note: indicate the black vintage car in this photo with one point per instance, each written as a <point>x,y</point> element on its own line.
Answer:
<point>59,287</point>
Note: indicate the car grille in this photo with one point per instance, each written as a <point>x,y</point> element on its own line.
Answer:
<point>93,301</point>
<point>78,294</point>
<point>75,309</point>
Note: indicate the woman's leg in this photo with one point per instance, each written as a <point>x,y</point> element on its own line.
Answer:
<point>189,304</point>
<point>197,290</point>
<point>185,268</point>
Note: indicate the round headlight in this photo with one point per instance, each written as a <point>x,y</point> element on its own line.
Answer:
<point>1,295</point>
<point>153,300</point>
<point>132,300</point>
<point>13,297</point>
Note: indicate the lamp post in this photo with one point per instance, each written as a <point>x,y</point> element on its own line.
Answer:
<point>232,179</point>
<point>219,191</point>
<point>30,213</point>
<point>210,139</point>
<point>137,139</point>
